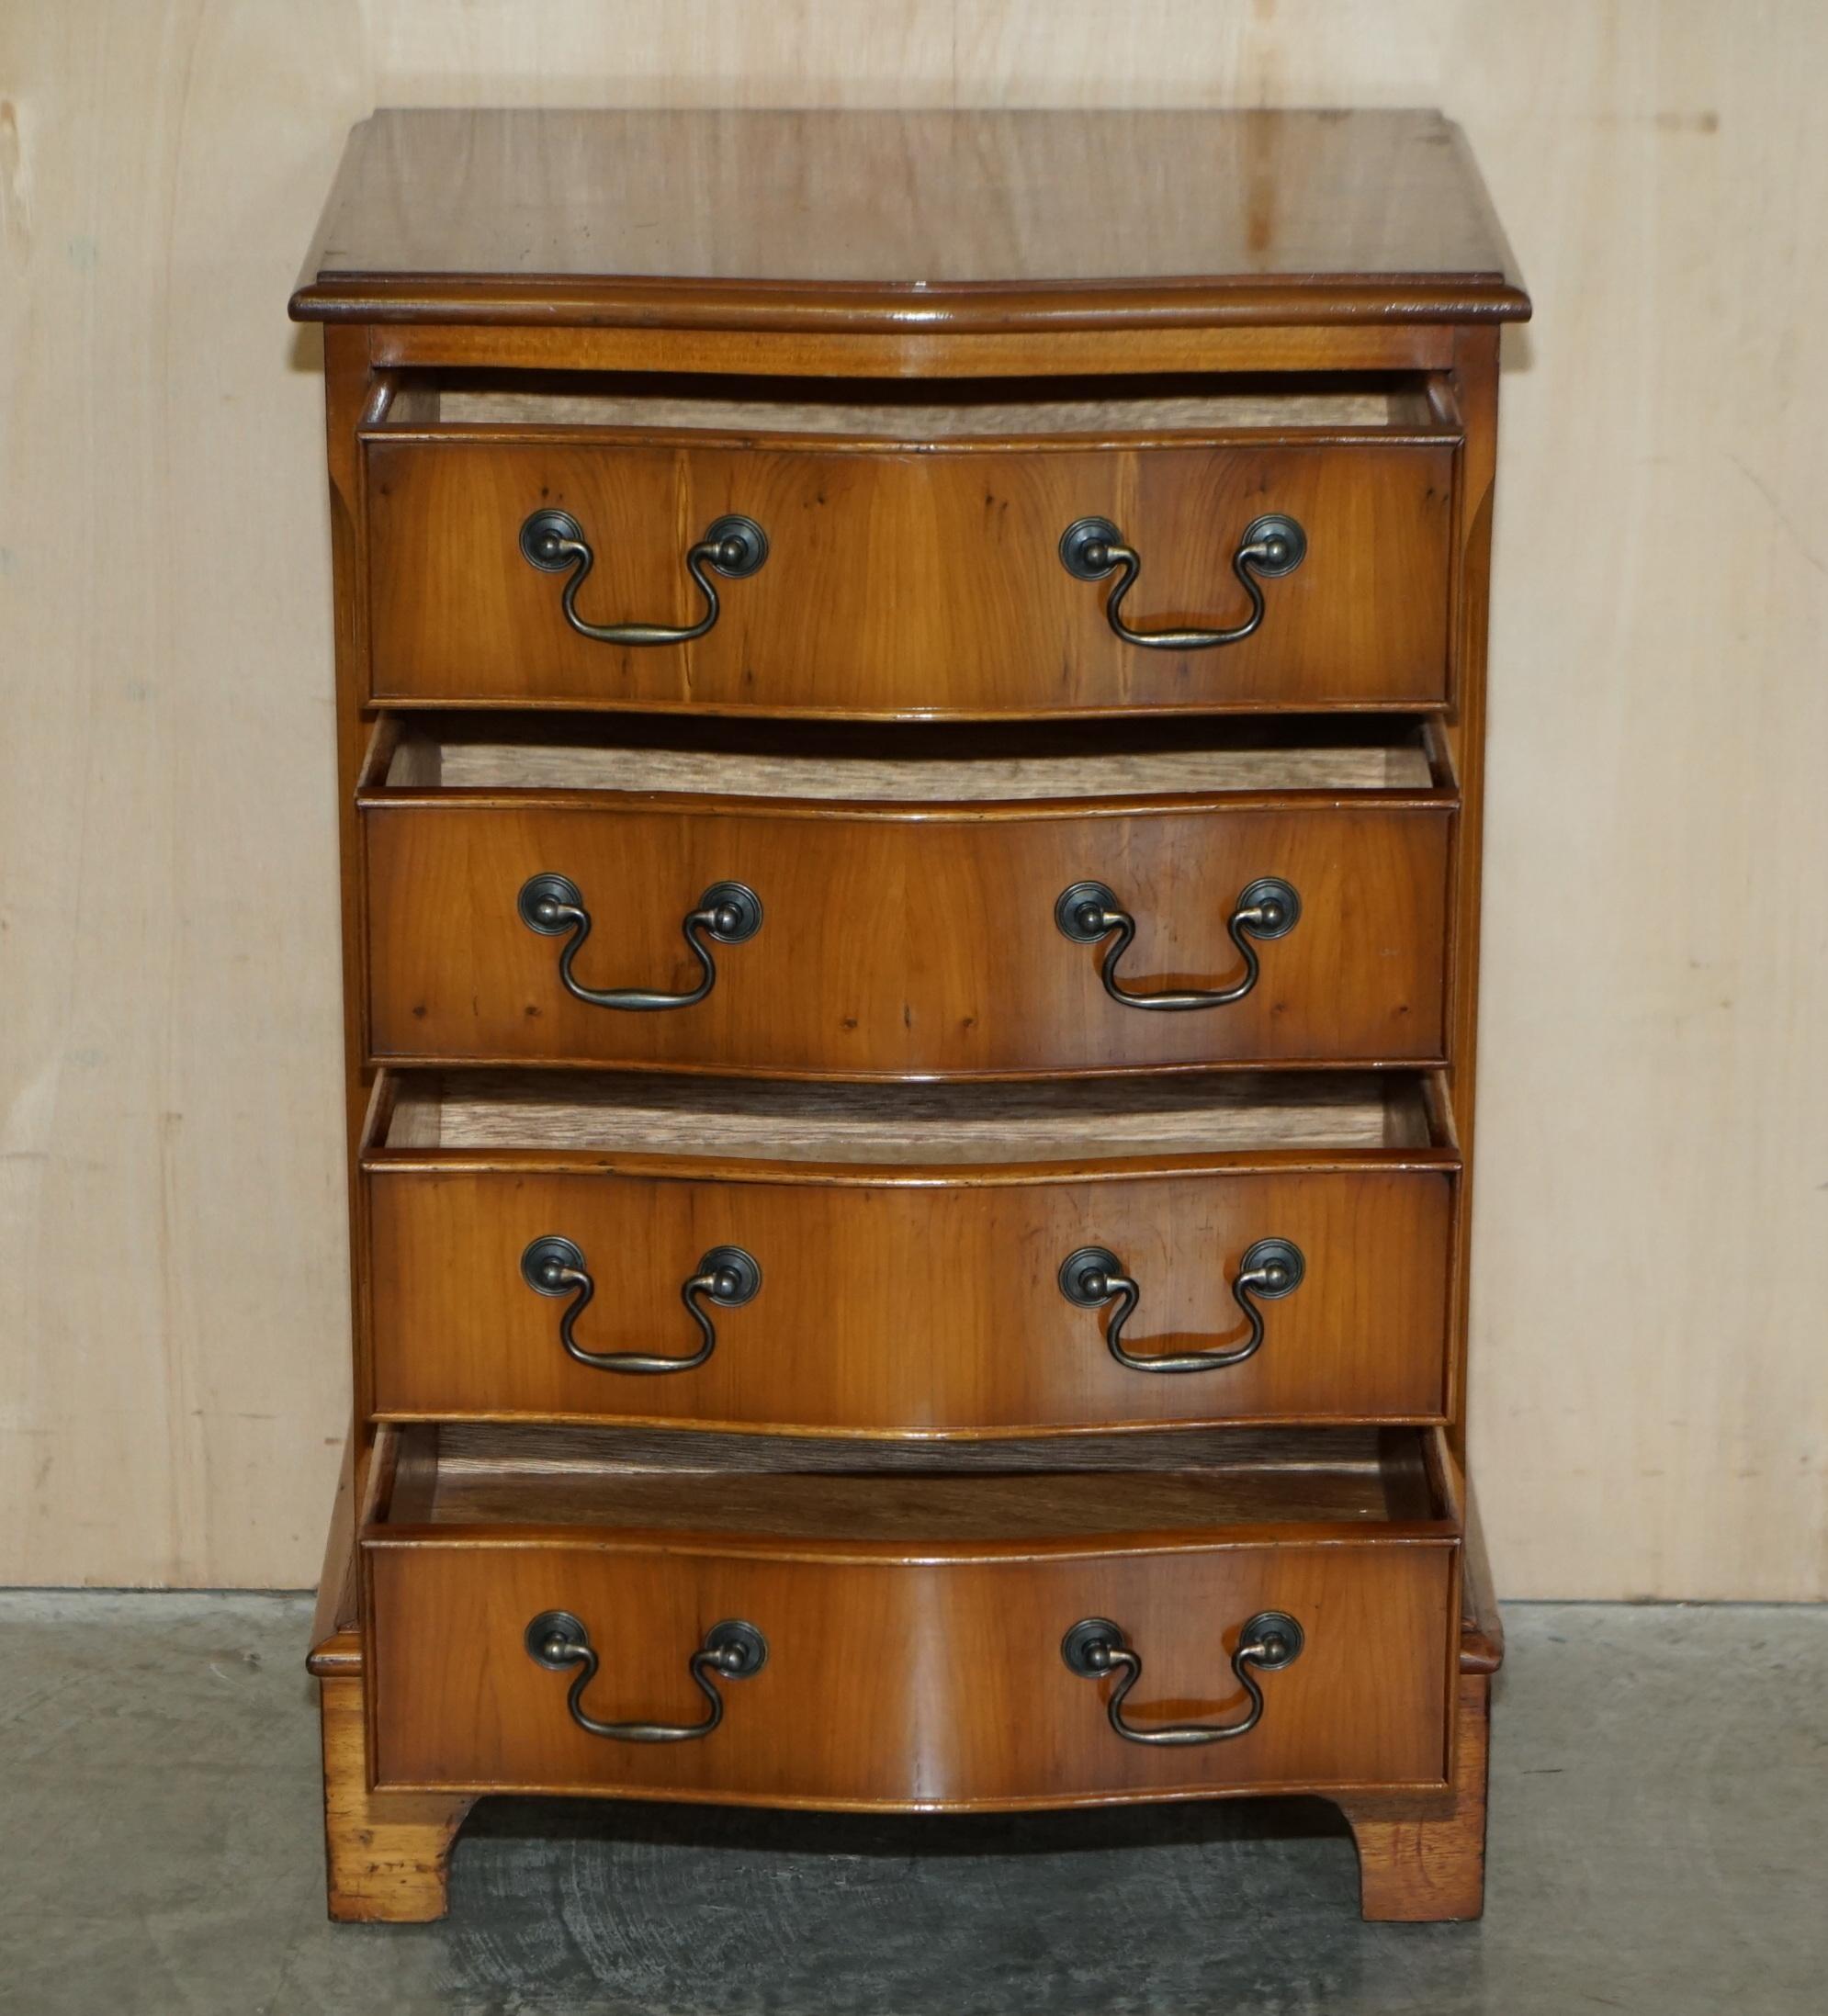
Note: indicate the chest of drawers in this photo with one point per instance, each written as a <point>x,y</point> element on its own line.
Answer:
<point>910,709</point>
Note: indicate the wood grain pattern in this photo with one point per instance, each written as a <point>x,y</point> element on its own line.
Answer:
<point>902,946</point>
<point>1304,1473</point>
<point>611,1116</point>
<point>884,1500</point>
<point>918,1300</point>
<point>973,1709</point>
<point>176,1416</point>
<point>1471,391</point>
<point>924,410</point>
<point>1421,1854</point>
<point>1422,1861</point>
<point>828,768</point>
<point>941,221</point>
<point>336,1623</point>
<point>913,355</point>
<point>849,1337</point>
<point>142,370</point>
<point>968,1579</point>
<point>914,581</point>
<point>387,1855</point>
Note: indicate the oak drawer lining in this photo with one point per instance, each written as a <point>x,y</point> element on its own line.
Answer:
<point>477,1475</point>
<point>929,411</point>
<point>991,766</point>
<point>1075,1119</point>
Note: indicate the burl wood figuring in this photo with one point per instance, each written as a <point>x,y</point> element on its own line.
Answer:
<point>911,725</point>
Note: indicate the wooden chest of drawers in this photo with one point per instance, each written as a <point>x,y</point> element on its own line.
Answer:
<point>911,777</point>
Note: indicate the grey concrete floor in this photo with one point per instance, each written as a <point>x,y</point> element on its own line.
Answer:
<point>1660,1785</point>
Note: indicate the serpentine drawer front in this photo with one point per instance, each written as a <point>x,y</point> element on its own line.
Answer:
<point>935,1261</point>
<point>652,566</point>
<point>562,1612</point>
<point>680,909</point>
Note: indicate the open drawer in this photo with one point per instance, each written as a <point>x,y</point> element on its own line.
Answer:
<point>944,903</point>
<point>939,1260</point>
<point>709,1618</point>
<point>885,550</point>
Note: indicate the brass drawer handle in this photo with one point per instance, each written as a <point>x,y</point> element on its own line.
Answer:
<point>554,541</point>
<point>1095,1275</point>
<point>726,1276</point>
<point>727,912</point>
<point>1092,548</point>
<point>731,1650</point>
<point>1088,911</point>
<point>1096,1647</point>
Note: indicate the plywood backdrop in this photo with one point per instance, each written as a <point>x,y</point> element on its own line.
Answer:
<point>1652,1404</point>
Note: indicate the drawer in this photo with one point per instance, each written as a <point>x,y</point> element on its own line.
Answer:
<point>897,560</point>
<point>1033,907</point>
<point>908,1260</point>
<point>905,1633</point>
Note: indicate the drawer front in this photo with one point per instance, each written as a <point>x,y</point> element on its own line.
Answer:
<point>909,1682</point>
<point>899,946</point>
<point>915,1306</point>
<point>926,582</point>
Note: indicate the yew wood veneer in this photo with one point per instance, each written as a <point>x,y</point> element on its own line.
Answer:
<point>906,940</point>
<point>910,709</point>
<point>913,1618</point>
<point>902,582</point>
<point>935,1230</point>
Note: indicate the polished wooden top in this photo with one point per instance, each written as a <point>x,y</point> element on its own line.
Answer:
<point>920,221</point>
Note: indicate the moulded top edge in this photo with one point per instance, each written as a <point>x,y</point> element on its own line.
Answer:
<point>911,222</point>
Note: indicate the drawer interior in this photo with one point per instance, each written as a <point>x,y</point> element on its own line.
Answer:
<point>929,763</point>
<point>480,1475</point>
<point>929,409</point>
<point>1071,1120</point>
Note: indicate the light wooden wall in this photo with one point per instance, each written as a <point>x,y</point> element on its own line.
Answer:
<point>1653,1385</point>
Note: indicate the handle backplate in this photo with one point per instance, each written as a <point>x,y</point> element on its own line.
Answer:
<point>1096,1648</point>
<point>1086,1646</point>
<point>555,1638</point>
<point>551,539</point>
<point>733,910</point>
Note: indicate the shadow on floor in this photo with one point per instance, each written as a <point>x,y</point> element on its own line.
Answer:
<point>1660,1776</point>
<point>631,1823</point>
<point>732,1910</point>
